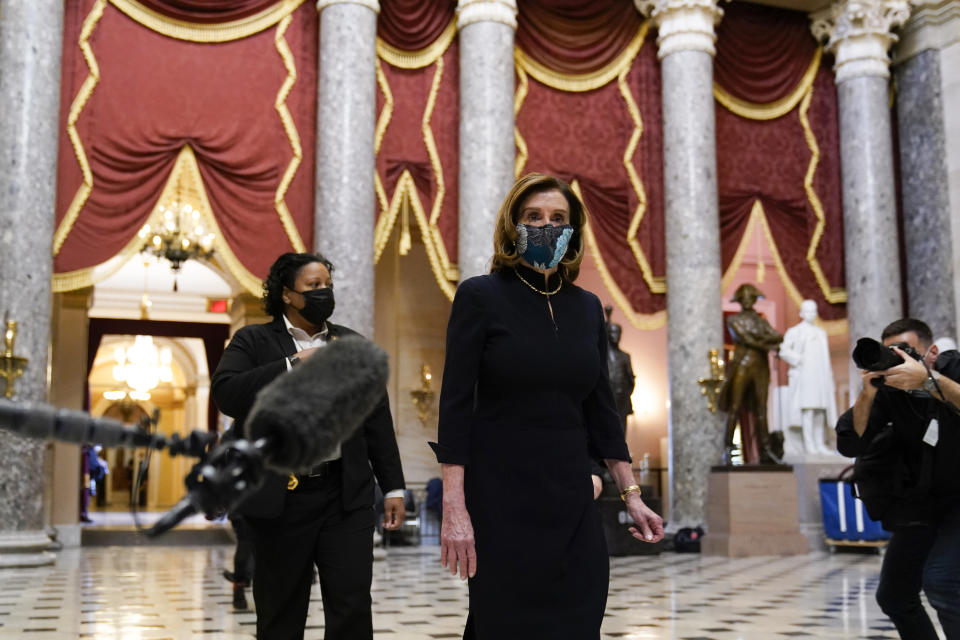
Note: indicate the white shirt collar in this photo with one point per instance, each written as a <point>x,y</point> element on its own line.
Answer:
<point>300,335</point>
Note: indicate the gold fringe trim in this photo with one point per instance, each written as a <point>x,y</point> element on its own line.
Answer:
<point>656,284</point>
<point>86,90</point>
<point>444,271</point>
<point>206,33</point>
<point>280,104</point>
<point>833,295</point>
<point>586,81</point>
<point>186,167</point>
<point>640,321</point>
<point>421,57</point>
<point>777,108</point>
<point>523,86</point>
<point>758,216</point>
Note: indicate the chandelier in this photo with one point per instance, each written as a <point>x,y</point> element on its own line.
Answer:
<point>179,236</point>
<point>142,367</point>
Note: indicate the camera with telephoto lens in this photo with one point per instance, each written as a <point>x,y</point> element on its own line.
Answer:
<point>874,356</point>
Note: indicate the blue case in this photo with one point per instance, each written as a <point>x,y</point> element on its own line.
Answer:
<point>844,516</point>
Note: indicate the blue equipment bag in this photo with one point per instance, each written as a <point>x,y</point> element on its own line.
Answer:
<point>844,516</point>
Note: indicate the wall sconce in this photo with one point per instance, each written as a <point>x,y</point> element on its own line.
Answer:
<point>11,366</point>
<point>423,397</point>
<point>710,387</point>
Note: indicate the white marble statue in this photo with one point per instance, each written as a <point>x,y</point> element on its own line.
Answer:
<point>810,398</point>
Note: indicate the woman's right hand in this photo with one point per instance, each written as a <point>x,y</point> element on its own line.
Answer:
<point>456,542</point>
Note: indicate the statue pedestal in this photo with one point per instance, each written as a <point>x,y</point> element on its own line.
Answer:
<point>752,511</point>
<point>808,473</point>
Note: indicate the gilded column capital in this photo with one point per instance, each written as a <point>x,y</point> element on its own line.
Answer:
<point>858,33</point>
<point>683,25</point>
<point>373,5</point>
<point>502,11</point>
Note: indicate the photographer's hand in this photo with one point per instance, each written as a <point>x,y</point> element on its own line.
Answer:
<point>906,376</point>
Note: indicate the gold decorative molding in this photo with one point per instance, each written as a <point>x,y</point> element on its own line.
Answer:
<point>86,90</point>
<point>405,192</point>
<point>204,32</point>
<point>777,108</point>
<point>421,57</point>
<point>759,216</point>
<point>290,127</point>
<point>834,295</point>
<point>586,81</point>
<point>639,320</point>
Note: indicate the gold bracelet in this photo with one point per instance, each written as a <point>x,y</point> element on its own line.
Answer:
<point>631,489</point>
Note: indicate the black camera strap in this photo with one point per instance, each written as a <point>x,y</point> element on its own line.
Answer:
<point>936,385</point>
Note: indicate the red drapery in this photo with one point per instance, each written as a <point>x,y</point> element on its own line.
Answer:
<point>575,37</point>
<point>207,11</point>
<point>418,118</point>
<point>762,52</point>
<point>411,25</point>
<point>156,94</point>
<point>584,136</point>
<point>768,160</point>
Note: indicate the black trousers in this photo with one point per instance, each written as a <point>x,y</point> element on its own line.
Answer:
<point>313,530</point>
<point>927,558</point>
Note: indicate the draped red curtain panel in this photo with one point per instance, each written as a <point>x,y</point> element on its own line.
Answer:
<point>416,143</point>
<point>607,139</point>
<point>763,57</point>
<point>132,98</point>
<point>207,11</point>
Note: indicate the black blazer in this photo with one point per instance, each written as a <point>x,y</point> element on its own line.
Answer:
<point>255,356</point>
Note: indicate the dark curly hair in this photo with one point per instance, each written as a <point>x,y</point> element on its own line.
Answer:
<point>283,272</point>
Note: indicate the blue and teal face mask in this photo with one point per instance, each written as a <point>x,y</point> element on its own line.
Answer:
<point>543,247</point>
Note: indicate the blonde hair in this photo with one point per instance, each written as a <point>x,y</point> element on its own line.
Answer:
<point>505,234</point>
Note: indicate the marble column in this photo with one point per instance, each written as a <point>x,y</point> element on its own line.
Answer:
<point>694,307</point>
<point>858,34</point>
<point>30,48</point>
<point>931,200</point>
<point>346,116</point>
<point>486,125</point>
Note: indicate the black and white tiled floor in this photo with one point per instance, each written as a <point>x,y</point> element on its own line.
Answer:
<point>153,593</point>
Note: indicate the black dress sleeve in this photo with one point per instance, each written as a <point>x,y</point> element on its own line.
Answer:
<point>849,443</point>
<point>604,430</point>
<point>240,374</point>
<point>466,336</point>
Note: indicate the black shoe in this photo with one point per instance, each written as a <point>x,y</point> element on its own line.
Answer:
<point>239,597</point>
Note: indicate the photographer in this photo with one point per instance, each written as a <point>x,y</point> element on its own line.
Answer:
<point>905,433</point>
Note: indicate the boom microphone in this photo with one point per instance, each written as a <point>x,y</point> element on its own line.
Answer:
<point>304,415</point>
<point>38,420</point>
<point>296,422</point>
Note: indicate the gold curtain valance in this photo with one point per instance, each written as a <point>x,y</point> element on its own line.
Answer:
<point>207,33</point>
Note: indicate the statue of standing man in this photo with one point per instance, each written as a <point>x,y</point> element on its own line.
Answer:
<point>622,380</point>
<point>744,392</point>
<point>811,401</point>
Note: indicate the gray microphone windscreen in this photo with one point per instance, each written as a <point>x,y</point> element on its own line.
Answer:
<point>306,413</point>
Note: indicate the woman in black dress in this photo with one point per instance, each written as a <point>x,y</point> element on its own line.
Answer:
<point>524,406</point>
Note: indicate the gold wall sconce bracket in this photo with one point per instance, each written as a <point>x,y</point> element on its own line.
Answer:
<point>422,398</point>
<point>710,387</point>
<point>11,366</point>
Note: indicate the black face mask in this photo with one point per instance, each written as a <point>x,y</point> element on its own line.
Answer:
<point>317,305</point>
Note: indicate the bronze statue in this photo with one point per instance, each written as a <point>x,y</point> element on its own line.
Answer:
<point>622,380</point>
<point>744,393</point>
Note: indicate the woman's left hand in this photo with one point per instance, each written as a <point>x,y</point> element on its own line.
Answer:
<point>649,525</point>
<point>393,513</point>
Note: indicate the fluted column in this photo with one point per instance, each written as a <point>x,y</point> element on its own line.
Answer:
<point>928,104</point>
<point>30,49</point>
<point>346,116</point>
<point>694,307</point>
<point>486,125</point>
<point>858,34</point>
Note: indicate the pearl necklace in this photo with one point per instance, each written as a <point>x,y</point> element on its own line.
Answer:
<point>543,293</point>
